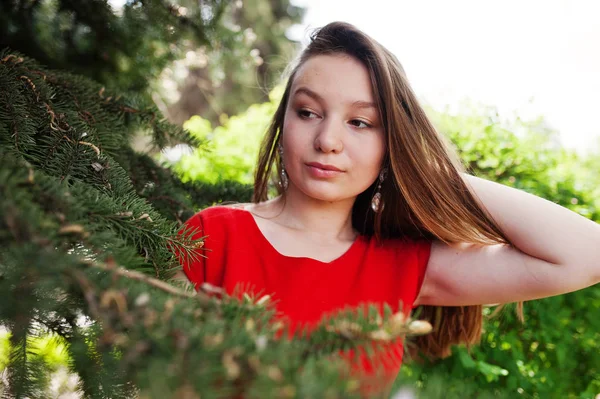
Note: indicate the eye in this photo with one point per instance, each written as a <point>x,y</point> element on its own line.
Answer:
<point>305,114</point>
<point>366,125</point>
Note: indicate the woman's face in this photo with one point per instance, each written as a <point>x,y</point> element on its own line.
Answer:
<point>332,120</point>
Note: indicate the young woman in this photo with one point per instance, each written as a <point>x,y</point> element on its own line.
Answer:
<point>374,205</point>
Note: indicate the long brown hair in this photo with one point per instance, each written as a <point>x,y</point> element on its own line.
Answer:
<point>425,198</point>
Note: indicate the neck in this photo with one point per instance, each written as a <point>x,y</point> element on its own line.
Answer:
<point>325,219</point>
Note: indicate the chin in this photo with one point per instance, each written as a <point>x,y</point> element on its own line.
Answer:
<point>326,194</point>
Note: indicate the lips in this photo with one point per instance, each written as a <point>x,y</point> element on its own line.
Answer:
<point>324,166</point>
<point>321,171</point>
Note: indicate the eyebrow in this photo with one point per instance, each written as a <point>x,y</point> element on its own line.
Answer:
<point>317,97</point>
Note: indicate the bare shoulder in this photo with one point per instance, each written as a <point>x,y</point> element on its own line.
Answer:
<point>266,209</point>
<point>237,205</point>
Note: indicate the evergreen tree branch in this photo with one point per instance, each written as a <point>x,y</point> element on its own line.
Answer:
<point>156,283</point>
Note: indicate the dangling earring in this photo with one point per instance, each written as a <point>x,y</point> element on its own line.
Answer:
<point>283,178</point>
<point>376,203</point>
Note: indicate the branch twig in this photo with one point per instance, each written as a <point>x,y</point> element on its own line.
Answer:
<point>134,275</point>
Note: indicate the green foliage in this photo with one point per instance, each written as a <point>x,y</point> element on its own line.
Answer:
<point>525,155</point>
<point>232,148</point>
<point>116,47</point>
<point>207,194</point>
<point>219,53</point>
<point>47,349</point>
<point>242,72</point>
<point>555,353</point>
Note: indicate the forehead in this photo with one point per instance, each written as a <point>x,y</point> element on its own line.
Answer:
<point>335,77</point>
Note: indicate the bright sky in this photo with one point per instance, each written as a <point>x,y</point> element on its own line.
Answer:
<point>534,57</point>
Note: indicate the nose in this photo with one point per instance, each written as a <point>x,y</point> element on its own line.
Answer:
<point>329,137</point>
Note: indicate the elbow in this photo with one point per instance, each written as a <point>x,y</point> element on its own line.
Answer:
<point>583,277</point>
<point>593,271</point>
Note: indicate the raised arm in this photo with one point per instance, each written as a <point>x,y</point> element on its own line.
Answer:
<point>555,251</point>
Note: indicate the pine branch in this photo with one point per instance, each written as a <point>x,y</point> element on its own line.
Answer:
<point>156,283</point>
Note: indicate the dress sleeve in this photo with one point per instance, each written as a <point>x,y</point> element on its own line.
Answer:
<point>193,266</point>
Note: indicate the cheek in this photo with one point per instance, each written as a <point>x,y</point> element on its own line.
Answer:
<point>293,139</point>
<point>287,130</point>
<point>369,154</point>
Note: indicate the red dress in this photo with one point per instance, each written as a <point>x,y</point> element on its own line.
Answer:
<point>237,252</point>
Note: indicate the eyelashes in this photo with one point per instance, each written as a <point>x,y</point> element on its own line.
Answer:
<point>302,113</point>
<point>306,114</point>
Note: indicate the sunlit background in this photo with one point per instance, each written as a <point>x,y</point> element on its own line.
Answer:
<point>527,58</point>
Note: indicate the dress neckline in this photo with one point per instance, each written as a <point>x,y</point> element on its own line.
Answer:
<point>267,244</point>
